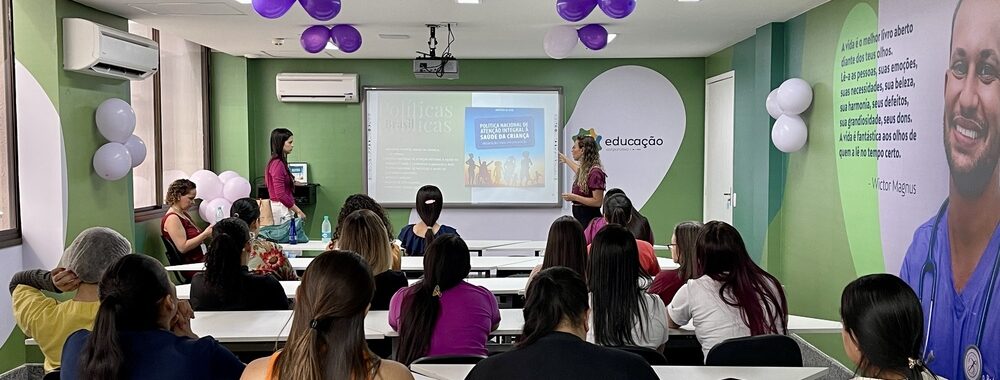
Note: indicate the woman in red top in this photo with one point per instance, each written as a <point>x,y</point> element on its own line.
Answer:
<point>682,250</point>
<point>588,188</point>
<point>178,227</point>
<point>278,178</point>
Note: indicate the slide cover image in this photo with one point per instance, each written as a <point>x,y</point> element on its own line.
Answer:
<point>504,147</point>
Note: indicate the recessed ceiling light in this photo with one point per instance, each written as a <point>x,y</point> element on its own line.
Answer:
<point>468,1</point>
<point>612,36</point>
<point>331,46</point>
<point>390,36</point>
<point>688,1</point>
<point>244,1</point>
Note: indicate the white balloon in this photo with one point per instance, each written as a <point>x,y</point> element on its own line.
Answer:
<point>137,149</point>
<point>204,211</point>
<point>112,161</point>
<point>115,120</point>
<point>789,133</point>
<point>773,108</point>
<point>236,188</point>
<point>208,185</point>
<point>795,96</point>
<point>228,175</point>
<point>560,41</point>
<point>213,209</point>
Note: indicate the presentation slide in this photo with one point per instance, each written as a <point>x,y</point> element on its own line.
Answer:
<point>482,148</point>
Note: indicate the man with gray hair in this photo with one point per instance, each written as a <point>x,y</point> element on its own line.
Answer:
<point>81,267</point>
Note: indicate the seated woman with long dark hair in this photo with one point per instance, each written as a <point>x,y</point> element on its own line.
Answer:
<point>327,339</point>
<point>883,328</point>
<point>442,314</point>
<point>143,332</point>
<point>623,314</point>
<point>552,344</point>
<point>618,210</point>
<point>417,236</point>
<point>264,256</point>
<point>734,297</point>
<point>668,281</point>
<point>637,224</point>
<point>565,246</point>
<point>227,284</point>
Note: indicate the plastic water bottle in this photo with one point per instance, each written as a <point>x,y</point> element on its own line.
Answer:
<point>327,230</point>
<point>292,235</point>
<point>219,215</point>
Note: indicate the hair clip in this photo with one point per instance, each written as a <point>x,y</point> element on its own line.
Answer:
<point>913,363</point>
<point>437,291</point>
<point>236,214</point>
<point>314,324</point>
<point>430,201</point>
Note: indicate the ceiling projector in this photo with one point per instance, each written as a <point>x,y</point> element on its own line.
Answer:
<point>429,65</point>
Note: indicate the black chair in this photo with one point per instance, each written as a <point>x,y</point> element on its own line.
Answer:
<point>756,351</point>
<point>449,359</point>
<point>651,356</point>
<point>174,257</point>
<point>54,375</point>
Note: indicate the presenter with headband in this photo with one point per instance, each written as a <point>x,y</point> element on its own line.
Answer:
<point>953,261</point>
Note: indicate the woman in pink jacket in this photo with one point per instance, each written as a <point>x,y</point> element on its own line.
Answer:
<point>278,177</point>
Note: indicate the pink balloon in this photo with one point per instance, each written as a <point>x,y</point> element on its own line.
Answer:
<point>207,184</point>
<point>235,189</point>
<point>213,208</point>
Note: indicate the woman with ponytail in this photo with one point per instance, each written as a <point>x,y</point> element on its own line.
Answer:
<point>143,332</point>
<point>442,314</point>
<point>883,328</point>
<point>227,284</point>
<point>327,339</point>
<point>637,223</point>
<point>552,344</point>
<point>417,236</point>
<point>618,210</point>
<point>733,297</point>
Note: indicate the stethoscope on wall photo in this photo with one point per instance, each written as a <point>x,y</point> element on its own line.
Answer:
<point>971,361</point>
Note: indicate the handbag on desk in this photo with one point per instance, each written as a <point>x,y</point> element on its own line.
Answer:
<point>278,233</point>
<point>266,217</point>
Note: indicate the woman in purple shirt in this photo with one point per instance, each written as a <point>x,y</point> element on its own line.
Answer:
<point>442,314</point>
<point>588,187</point>
<point>278,177</point>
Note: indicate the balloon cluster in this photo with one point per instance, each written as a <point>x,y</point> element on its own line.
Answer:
<point>217,192</point>
<point>115,120</point>
<point>562,39</point>
<point>784,104</point>
<point>346,37</point>
<point>323,10</point>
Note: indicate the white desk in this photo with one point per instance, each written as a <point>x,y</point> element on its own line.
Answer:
<point>529,263</point>
<point>496,285</point>
<point>482,245</point>
<point>511,323</point>
<point>459,371</point>
<point>408,264</point>
<point>538,246</point>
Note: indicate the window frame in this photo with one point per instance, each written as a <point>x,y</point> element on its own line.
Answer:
<point>157,211</point>
<point>10,237</point>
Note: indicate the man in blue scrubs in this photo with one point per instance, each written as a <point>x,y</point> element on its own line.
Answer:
<point>953,259</point>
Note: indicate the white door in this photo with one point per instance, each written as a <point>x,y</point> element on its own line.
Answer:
<point>719,196</point>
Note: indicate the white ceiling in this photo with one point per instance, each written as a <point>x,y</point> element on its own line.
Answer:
<point>494,29</point>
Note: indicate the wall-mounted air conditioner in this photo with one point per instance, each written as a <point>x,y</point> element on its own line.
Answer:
<point>317,87</point>
<point>96,49</point>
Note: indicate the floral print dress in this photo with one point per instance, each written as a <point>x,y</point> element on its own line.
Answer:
<point>266,257</point>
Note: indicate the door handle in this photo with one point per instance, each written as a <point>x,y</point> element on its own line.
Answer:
<point>730,199</point>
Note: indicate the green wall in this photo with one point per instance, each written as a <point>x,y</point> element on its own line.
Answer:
<point>805,233</point>
<point>330,136</point>
<point>37,26</point>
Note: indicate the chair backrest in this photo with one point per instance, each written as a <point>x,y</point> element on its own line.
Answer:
<point>756,351</point>
<point>651,356</point>
<point>449,359</point>
<point>173,255</point>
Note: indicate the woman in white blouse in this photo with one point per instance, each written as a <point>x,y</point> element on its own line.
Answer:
<point>731,297</point>
<point>622,313</point>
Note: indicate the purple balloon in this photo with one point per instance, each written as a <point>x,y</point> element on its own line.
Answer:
<point>593,36</point>
<point>346,37</point>
<point>272,8</point>
<point>323,10</point>
<point>314,38</point>
<point>575,10</point>
<point>617,8</point>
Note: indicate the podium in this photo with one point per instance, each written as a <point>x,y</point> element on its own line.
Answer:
<point>304,194</point>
